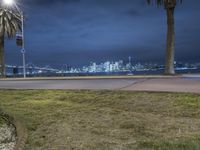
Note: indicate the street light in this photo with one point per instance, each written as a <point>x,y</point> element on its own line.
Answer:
<point>8,2</point>
<point>11,3</point>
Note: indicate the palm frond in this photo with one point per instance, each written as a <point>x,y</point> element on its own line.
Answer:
<point>10,22</point>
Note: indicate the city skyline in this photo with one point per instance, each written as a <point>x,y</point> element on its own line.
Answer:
<point>109,66</point>
<point>78,32</point>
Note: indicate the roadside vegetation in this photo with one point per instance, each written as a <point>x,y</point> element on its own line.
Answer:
<point>105,120</point>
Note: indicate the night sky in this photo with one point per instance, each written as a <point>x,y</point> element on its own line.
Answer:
<point>76,32</point>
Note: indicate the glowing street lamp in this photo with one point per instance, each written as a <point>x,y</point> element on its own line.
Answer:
<point>11,3</point>
<point>8,2</point>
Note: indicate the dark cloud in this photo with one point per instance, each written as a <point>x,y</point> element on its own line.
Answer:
<point>76,32</point>
<point>48,2</point>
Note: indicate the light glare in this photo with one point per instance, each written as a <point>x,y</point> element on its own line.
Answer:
<point>8,2</point>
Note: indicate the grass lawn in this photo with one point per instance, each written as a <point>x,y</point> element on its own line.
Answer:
<point>105,120</point>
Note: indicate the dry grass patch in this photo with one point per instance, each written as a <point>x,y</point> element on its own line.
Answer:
<point>2,121</point>
<point>106,120</point>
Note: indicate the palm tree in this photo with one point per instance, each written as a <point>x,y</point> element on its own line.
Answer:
<point>10,23</point>
<point>169,7</point>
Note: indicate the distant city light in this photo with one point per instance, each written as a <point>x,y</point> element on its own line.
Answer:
<point>120,67</point>
<point>8,2</point>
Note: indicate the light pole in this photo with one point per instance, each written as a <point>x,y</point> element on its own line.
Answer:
<point>23,46</point>
<point>11,3</point>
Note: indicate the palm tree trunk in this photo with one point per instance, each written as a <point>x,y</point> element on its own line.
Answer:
<point>169,65</point>
<point>2,60</point>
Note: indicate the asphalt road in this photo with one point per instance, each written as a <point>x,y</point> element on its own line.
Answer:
<point>95,84</point>
<point>166,84</point>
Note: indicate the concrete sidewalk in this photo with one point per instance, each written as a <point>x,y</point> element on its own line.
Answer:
<point>190,85</point>
<point>185,83</point>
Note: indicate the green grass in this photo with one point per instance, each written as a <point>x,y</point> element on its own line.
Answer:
<point>105,120</point>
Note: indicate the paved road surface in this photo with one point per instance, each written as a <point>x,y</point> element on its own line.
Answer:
<point>171,84</point>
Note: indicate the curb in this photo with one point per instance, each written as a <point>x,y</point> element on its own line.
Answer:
<point>90,78</point>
